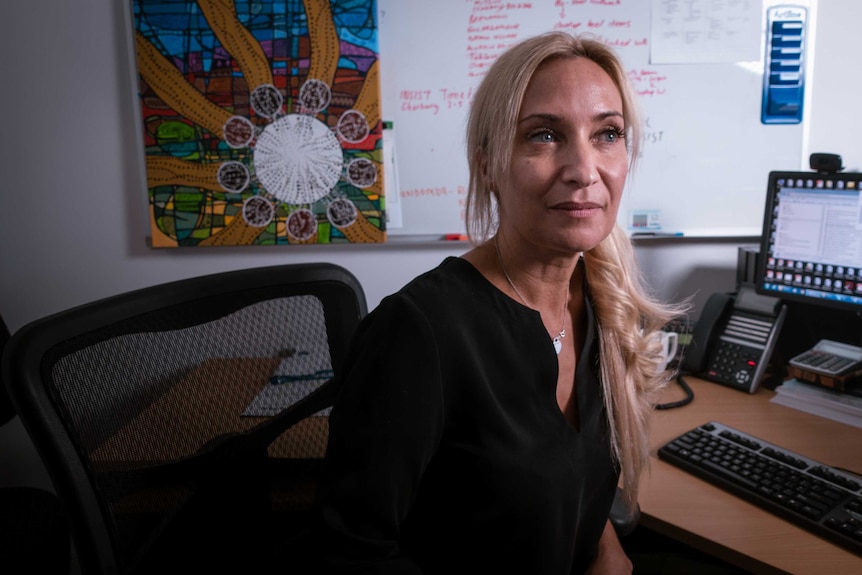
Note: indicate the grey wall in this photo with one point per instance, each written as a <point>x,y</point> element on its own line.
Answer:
<point>74,216</point>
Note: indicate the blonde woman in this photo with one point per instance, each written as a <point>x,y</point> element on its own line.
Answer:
<point>492,405</point>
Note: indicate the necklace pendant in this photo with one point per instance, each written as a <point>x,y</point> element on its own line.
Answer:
<point>558,345</point>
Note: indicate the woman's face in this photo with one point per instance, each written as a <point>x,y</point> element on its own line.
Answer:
<point>569,160</point>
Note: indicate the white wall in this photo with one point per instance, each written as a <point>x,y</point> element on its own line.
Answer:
<point>836,118</point>
<point>74,221</point>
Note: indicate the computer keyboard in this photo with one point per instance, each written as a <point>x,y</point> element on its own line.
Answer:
<point>821,499</point>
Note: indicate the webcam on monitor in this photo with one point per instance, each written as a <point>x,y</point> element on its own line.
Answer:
<point>825,163</point>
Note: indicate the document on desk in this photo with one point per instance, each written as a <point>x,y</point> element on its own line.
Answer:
<point>296,377</point>
<point>820,401</point>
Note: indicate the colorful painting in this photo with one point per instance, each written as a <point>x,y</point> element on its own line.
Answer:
<point>261,121</point>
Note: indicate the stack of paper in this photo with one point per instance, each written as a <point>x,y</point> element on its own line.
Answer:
<point>820,401</point>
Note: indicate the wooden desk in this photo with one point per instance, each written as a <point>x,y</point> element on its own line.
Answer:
<point>206,403</point>
<point>684,507</point>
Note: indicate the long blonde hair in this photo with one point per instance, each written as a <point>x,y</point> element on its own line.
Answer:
<point>629,317</point>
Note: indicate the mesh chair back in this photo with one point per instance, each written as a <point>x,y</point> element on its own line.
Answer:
<point>184,423</point>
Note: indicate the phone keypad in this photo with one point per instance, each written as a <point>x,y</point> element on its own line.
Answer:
<point>733,364</point>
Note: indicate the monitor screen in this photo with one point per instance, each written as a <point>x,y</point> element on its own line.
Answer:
<point>811,246</point>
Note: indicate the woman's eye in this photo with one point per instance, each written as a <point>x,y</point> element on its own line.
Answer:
<point>613,134</point>
<point>544,136</point>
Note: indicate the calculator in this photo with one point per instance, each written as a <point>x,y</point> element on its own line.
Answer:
<point>829,357</point>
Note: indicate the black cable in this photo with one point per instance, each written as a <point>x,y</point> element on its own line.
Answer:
<point>689,396</point>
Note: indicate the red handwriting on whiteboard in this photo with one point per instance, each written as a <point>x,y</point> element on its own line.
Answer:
<point>493,26</point>
<point>490,32</point>
<point>647,82</point>
<point>567,23</point>
<point>456,98</point>
<point>433,101</point>
<point>594,25</point>
<point>418,101</point>
<point>435,192</point>
<point>562,3</point>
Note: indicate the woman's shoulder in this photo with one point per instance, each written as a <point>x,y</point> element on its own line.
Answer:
<point>452,276</point>
<point>452,271</point>
<point>449,285</point>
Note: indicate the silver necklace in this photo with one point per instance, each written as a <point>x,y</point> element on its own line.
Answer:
<point>558,344</point>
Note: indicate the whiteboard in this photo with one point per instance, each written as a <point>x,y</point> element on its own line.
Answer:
<point>697,67</point>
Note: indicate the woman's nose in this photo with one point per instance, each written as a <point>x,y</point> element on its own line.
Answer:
<point>580,165</point>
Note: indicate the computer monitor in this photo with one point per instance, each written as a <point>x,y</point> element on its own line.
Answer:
<point>811,246</point>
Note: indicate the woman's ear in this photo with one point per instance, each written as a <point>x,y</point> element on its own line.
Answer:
<point>482,161</point>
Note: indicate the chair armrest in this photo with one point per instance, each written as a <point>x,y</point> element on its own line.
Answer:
<point>624,519</point>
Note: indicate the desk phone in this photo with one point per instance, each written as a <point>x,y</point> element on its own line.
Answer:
<point>733,339</point>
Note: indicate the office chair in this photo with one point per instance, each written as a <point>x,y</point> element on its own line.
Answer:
<point>34,534</point>
<point>183,424</point>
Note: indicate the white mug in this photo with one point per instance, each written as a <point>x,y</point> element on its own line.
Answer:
<point>669,345</point>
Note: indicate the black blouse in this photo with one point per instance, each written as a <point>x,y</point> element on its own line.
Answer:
<point>448,452</point>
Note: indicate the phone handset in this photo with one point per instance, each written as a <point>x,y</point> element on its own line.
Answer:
<point>715,310</point>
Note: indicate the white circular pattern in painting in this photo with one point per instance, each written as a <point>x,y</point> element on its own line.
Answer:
<point>298,159</point>
<point>238,132</point>
<point>341,213</point>
<point>362,173</point>
<point>301,224</point>
<point>233,176</point>
<point>266,100</point>
<point>314,96</point>
<point>257,212</point>
<point>353,126</point>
